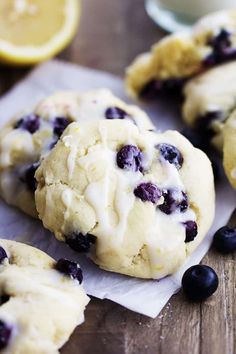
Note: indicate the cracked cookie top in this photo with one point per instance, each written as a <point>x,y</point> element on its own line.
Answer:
<point>137,202</point>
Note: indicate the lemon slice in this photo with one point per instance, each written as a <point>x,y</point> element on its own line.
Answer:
<point>35,30</point>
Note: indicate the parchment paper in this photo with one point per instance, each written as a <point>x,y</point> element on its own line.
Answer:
<point>144,296</point>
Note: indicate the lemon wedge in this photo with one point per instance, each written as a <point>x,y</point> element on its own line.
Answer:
<point>35,30</point>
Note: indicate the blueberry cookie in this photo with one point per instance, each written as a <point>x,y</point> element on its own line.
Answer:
<point>137,202</point>
<point>229,148</point>
<point>32,134</point>
<point>209,100</point>
<point>42,300</point>
<point>180,56</point>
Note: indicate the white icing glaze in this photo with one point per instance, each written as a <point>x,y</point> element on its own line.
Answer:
<point>67,200</point>
<point>68,141</point>
<point>119,185</point>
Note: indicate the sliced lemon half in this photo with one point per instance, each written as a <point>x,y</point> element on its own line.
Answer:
<point>35,30</point>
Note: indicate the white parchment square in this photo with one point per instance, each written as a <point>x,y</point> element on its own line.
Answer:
<point>144,296</point>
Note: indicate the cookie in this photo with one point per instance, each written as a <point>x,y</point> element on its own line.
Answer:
<point>42,300</point>
<point>209,100</point>
<point>229,148</point>
<point>26,139</point>
<point>182,55</point>
<point>137,202</point>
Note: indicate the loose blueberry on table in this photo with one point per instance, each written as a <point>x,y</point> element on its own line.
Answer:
<point>69,268</point>
<point>225,239</point>
<point>79,242</point>
<point>30,123</point>
<point>129,157</point>
<point>199,282</point>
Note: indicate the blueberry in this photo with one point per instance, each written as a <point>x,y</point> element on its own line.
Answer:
<point>221,49</point>
<point>31,123</point>
<point>4,299</point>
<point>115,113</point>
<point>220,41</point>
<point>69,268</point>
<point>191,230</point>
<point>28,176</point>
<point>171,154</point>
<point>3,254</point>
<point>173,201</point>
<point>79,242</point>
<point>225,239</point>
<point>162,87</point>
<point>199,282</point>
<point>129,157</point>
<point>148,192</point>
<point>59,125</point>
<point>5,334</point>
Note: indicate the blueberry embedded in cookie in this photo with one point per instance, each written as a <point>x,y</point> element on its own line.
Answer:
<point>132,200</point>
<point>129,157</point>
<point>148,192</point>
<point>69,268</point>
<point>39,297</point>
<point>171,154</point>
<point>28,176</point>
<point>174,200</point>
<point>26,139</point>
<point>209,101</point>
<point>115,113</point>
<point>3,255</point>
<point>229,148</point>
<point>180,56</point>
<point>79,242</point>
<point>30,123</point>
<point>5,334</point>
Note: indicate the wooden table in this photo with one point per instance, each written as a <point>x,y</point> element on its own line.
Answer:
<point>110,35</point>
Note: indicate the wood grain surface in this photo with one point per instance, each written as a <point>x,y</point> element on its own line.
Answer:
<point>110,35</point>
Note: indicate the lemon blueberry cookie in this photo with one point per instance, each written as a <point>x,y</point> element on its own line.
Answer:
<point>209,100</point>
<point>180,56</point>
<point>26,139</point>
<point>137,202</point>
<point>229,148</point>
<point>42,300</point>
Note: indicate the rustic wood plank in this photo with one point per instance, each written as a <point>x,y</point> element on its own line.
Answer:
<point>218,312</point>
